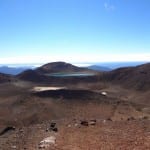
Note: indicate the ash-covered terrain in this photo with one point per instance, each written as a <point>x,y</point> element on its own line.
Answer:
<point>103,111</point>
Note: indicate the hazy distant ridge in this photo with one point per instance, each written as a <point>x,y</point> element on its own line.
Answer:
<point>12,70</point>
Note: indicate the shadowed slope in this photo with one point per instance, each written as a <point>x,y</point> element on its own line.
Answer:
<point>5,78</point>
<point>132,77</point>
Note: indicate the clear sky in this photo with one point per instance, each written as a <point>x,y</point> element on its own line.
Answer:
<point>74,30</point>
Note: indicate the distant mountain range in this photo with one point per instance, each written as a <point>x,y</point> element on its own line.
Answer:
<point>12,70</point>
<point>61,66</point>
<point>115,65</point>
<point>99,68</point>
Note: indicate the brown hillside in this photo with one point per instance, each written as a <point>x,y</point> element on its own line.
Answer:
<point>31,75</point>
<point>4,78</point>
<point>132,77</point>
<point>59,67</point>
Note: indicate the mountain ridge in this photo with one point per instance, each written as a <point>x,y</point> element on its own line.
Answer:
<point>99,68</point>
<point>131,77</point>
<point>137,78</point>
<point>55,67</point>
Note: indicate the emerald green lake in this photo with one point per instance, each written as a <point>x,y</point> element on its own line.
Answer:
<point>70,74</point>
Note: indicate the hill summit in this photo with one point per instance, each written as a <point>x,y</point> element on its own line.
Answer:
<point>55,67</point>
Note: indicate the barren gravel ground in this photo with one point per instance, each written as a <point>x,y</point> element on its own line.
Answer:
<point>122,118</point>
<point>105,135</point>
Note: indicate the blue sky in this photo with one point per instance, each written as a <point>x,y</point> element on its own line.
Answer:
<point>40,31</point>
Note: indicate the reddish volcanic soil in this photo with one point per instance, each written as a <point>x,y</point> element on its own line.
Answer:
<point>121,117</point>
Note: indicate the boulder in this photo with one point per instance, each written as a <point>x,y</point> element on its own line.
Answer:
<point>47,142</point>
<point>84,123</point>
<point>7,129</point>
<point>92,122</point>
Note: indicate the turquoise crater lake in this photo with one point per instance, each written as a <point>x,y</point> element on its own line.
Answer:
<point>70,74</point>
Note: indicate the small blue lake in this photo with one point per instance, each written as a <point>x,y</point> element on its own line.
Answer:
<point>70,74</point>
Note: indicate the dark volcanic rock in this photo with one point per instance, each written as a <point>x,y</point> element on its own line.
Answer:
<point>67,94</point>
<point>84,123</point>
<point>7,129</point>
